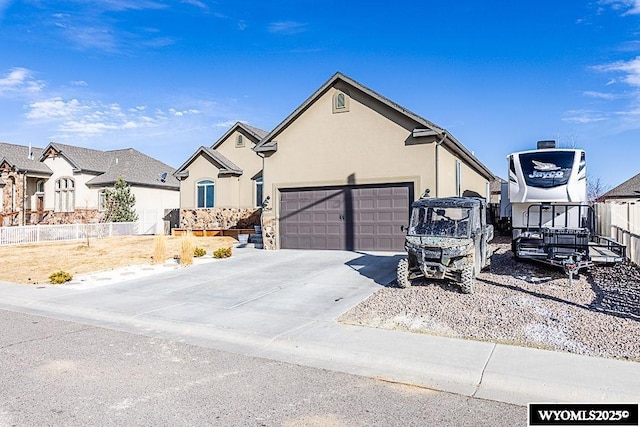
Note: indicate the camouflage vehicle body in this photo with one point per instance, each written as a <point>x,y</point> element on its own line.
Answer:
<point>447,239</point>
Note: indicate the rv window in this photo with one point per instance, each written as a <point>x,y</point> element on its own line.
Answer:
<point>547,169</point>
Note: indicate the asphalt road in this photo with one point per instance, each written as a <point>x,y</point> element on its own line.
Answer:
<point>62,373</point>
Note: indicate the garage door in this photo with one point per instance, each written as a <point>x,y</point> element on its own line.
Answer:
<point>347,218</point>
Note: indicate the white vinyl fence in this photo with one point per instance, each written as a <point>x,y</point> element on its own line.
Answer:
<point>622,223</point>
<point>51,233</point>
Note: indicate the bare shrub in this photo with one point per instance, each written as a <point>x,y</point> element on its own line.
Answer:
<point>160,253</point>
<point>187,248</point>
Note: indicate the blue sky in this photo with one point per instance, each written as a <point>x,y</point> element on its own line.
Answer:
<point>166,77</point>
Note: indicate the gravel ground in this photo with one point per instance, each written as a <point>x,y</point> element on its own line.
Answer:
<point>520,303</point>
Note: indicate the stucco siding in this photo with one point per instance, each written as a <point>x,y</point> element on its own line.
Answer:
<point>150,206</point>
<point>371,143</point>
<point>446,174</point>
<point>251,164</point>
<point>156,198</point>
<point>355,147</point>
<point>85,197</point>
<point>200,169</point>
<point>472,181</point>
<point>231,191</point>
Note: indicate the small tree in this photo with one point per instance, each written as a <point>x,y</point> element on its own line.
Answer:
<point>596,189</point>
<point>119,203</point>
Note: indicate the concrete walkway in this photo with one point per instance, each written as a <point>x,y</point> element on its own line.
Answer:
<point>282,305</point>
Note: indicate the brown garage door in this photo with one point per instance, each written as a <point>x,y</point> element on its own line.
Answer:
<point>347,218</point>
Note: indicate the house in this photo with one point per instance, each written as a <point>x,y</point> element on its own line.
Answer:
<point>341,171</point>
<point>627,192</point>
<point>64,184</point>
<point>221,185</point>
<point>22,177</point>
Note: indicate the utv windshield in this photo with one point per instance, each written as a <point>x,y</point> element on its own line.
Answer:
<point>433,221</point>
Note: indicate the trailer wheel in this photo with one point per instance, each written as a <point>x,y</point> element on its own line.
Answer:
<point>403,273</point>
<point>466,283</point>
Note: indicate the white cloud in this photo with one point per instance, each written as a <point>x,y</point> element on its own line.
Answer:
<point>55,108</point>
<point>287,27</point>
<point>600,95</point>
<point>627,7</point>
<point>91,118</point>
<point>197,3</point>
<point>79,83</point>
<point>584,116</point>
<point>183,112</point>
<point>630,70</point>
<point>125,4</point>
<point>20,81</point>
<point>226,124</point>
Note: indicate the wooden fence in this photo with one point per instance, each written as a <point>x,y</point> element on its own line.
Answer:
<point>51,233</point>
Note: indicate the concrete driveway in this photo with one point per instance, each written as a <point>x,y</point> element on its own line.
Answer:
<point>249,299</point>
<point>281,305</point>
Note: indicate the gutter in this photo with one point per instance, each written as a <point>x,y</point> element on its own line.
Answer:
<point>266,148</point>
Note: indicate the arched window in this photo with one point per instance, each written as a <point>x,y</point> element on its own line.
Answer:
<point>65,200</point>
<point>340,102</point>
<point>40,186</point>
<point>205,193</point>
<point>239,141</point>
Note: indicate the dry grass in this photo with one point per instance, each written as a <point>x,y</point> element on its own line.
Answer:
<point>186,249</point>
<point>160,253</point>
<point>34,263</point>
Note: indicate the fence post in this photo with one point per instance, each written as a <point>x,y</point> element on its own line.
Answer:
<point>110,229</point>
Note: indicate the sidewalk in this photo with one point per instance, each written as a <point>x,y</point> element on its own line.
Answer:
<point>282,322</point>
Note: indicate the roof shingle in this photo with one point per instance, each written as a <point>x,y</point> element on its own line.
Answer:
<point>629,188</point>
<point>133,166</point>
<point>18,156</point>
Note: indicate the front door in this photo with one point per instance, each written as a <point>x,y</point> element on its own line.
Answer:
<point>40,206</point>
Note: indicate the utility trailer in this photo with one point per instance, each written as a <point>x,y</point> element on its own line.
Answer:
<point>551,219</point>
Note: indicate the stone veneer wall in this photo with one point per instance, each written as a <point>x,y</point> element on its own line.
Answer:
<point>268,232</point>
<point>80,216</point>
<point>6,198</point>
<point>219,218</point>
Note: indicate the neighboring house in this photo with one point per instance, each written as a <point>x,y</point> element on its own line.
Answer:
<point>22,178</point>
<point>69,182</point>
<point>627,192</point>
<point>221,185</point>
<point>496,190</point>
<point>341,171</point>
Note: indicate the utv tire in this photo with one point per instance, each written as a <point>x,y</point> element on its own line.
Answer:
<point>466,283</point>
<point>403,273</point>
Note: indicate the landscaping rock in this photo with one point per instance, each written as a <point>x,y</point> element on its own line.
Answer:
<point>521,303</point>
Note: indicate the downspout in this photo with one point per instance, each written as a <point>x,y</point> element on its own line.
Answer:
<point>437,162</point>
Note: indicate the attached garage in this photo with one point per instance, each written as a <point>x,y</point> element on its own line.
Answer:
<point>341,171</point>
<point>364,217</point>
